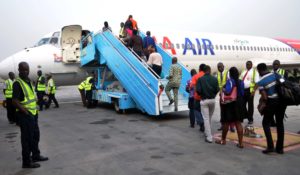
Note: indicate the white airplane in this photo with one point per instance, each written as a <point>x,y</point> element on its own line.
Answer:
<point>191,49</point>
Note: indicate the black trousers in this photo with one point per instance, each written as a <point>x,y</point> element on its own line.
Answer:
<point>274,108</point>
<point>191,112</point>
<point>157,69</point>
<point>52,97</point>
<point>40,95</point>
<point>11,110</point>
<point>248,99</point>
<point>89,96</point>
<point>30,136</point>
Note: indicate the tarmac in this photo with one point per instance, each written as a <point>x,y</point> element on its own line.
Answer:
<point>100,141</point>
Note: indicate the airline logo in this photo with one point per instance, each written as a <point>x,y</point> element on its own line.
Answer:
<point>57,59</point>
<point>196,46</point>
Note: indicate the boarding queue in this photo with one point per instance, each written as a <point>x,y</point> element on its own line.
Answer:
<point>236,99</point>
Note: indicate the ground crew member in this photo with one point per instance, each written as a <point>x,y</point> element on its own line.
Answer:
<point>175,75</point>
<point>51,88</point>
<point>41,89</point>
<point>25,102</point>
<point>280,71</point>
<point>86,90</point>
<point>8,90</point>
<point>249,77</point>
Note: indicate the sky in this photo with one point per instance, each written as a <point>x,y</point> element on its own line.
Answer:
<point>24,22</point>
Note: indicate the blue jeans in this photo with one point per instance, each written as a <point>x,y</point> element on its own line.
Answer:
<point>197,112</point>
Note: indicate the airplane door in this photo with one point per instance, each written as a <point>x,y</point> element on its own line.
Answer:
<point>70,43</point>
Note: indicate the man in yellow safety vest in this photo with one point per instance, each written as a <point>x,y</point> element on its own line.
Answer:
<point>8,90</point>
<point>51,90</point>
<point>24,100</point>
<point>249,77</point>
<point>86,91</point>
<point>41,89</point>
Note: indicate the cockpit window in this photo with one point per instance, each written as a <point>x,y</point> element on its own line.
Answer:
<point>43,41</point>
<point>56,34</point>
<point>54,41</point>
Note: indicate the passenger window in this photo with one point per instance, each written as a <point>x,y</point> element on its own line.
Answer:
<point>221,47</point>
<point>178,46</point>
<point>229,48</point>
<point>182,45</point>
<point>254,48</point>
<point>258,48</point>
<point>241,48</point>
<point>193,45</point>
<point>172,46</point>
<point>160,44</point>
<point>277,49</point>
<point>237,47</point>
<point>225,47</point>
<point>216,47</point>
<point>251,48</point>
<point>233,48</point>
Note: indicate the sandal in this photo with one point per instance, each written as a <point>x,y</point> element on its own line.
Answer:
<point>240,146</point>
<point>221,142</point>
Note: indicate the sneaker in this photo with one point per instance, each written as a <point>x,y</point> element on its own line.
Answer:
<point>171,102</point>
<point>31,165</point>
<point>208,141</point>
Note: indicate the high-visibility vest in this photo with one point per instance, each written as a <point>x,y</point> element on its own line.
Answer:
<point>86,85</point>
<point>281,72</point>
<point>221,84</point>
<point>29,101</point>
<point>40,86</point>
<point>51,89</point>
<point>9,88</point>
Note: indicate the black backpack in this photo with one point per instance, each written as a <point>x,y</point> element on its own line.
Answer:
<point>288,91</point>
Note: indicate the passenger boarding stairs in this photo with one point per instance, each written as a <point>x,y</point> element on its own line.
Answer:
<point>134,74</point>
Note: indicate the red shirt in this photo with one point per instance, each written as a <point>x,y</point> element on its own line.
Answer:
<point>134,24</point>
<point>194,82</point>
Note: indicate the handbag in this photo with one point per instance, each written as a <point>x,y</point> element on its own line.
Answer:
<point>229,98</point>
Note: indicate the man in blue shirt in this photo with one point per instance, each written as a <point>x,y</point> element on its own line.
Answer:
<point>148,41</point>
<point>267,88</point>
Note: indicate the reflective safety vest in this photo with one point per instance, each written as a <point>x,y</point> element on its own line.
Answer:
<point>9,88</point>
<point>40,86</point>
<point>86,85</point>
<point>281,72</point>
<point>51,86</point>
<point>29,101</point>
<point>252,84</point>
<point>222,82</point>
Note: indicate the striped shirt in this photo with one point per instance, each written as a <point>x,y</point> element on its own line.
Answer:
<point>268,83</point>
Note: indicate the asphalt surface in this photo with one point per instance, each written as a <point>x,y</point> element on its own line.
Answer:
<point>100,141</point>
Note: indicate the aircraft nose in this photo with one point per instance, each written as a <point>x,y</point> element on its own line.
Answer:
<point>6,66</point>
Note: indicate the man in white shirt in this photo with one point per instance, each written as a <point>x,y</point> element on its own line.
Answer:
<point>155,60</point>
<point>249,77</point>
